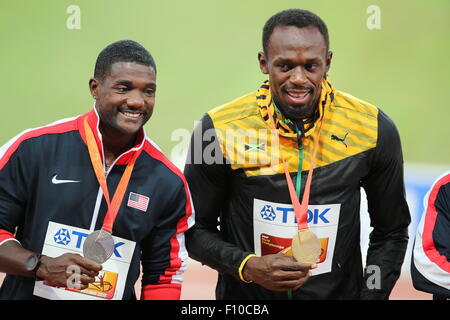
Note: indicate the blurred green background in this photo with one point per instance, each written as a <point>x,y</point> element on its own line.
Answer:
<point>206,56</point>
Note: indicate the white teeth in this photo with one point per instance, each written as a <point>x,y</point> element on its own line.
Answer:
<point>131,115</point>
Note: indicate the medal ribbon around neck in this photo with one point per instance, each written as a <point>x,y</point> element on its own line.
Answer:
<point>300,209</point>
<point>97,163</point>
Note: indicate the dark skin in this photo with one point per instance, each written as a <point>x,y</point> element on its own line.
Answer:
<point>13,259</point>
<point>277,272</point>
<point>125,98</point>
<point>296,60</point>
<point>124,101</point>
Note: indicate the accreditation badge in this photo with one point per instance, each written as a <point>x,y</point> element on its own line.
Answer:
<point>109,284</point>
<point>275,226</point>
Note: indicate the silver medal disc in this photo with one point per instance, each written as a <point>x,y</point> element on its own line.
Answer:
<point>98,246</point>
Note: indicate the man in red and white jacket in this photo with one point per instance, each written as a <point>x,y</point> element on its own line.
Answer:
<point>50,198</point>
<point>430,265</point>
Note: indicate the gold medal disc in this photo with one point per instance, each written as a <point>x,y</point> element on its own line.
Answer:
<point>306,247</point>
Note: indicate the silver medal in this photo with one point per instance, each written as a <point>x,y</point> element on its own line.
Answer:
<point>98,246</point>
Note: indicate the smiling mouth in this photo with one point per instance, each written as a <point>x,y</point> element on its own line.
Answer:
<point>299,95</point>
<point>132,115</point>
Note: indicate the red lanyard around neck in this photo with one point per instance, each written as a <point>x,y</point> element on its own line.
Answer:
<point>96,160</point>
<point>300,209</point>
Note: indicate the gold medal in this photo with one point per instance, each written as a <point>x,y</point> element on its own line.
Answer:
<point>306,247</point>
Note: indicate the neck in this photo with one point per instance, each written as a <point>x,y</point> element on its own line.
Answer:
<point>114,144</point>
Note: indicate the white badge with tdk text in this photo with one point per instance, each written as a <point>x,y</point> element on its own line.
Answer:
<point>109,284</point>
<point>274,226</point>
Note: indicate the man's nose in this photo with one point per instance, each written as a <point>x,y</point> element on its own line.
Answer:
<point>135,99</point>
<point>298,76</point>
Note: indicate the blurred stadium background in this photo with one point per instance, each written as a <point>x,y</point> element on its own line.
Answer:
<point>206,55</point>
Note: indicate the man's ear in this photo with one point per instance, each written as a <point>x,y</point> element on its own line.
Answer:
<point>328,60</point>
<point>263,62</point>
<point>93,87</point>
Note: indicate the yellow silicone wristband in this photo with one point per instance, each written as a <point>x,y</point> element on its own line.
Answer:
<point>241,267</point>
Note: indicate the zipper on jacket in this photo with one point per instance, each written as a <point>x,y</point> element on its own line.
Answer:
<point>300,129</point>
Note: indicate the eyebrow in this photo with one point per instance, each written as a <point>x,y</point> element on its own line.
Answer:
<point>286,59</point>
<point>129,83</point>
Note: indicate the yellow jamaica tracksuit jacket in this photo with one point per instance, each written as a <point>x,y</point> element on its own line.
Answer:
<point>242,203</point>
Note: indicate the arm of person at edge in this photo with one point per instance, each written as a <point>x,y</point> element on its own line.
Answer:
<point>209,183</point>
<point>14,193</point>
<point>436,213</point>
<point>389,213</point>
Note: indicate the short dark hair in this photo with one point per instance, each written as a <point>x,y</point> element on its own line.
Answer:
<point>294,17</point>
<point>122,51</point>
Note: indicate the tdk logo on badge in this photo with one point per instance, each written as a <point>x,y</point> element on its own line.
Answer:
<point>283,214</point>
<point>315,216</point>
<point>267,213</point>
<point>62,237</point>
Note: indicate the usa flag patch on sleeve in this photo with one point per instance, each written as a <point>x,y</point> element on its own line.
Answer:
<point>138,201</point>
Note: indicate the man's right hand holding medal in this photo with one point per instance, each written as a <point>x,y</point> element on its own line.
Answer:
<point>277,272</point>
<point>68,270</point>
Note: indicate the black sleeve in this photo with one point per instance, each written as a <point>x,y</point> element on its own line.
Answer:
<point>430,262</point>
<point>208,176</point>
<point>15,174</point>
<point>388,210</point>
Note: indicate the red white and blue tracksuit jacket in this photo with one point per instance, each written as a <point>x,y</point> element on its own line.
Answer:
<point>29,200</point>
<point>430,267</point>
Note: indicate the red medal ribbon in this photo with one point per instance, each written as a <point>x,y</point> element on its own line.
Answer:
<point>96,160</point>
<point>300,209</point>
